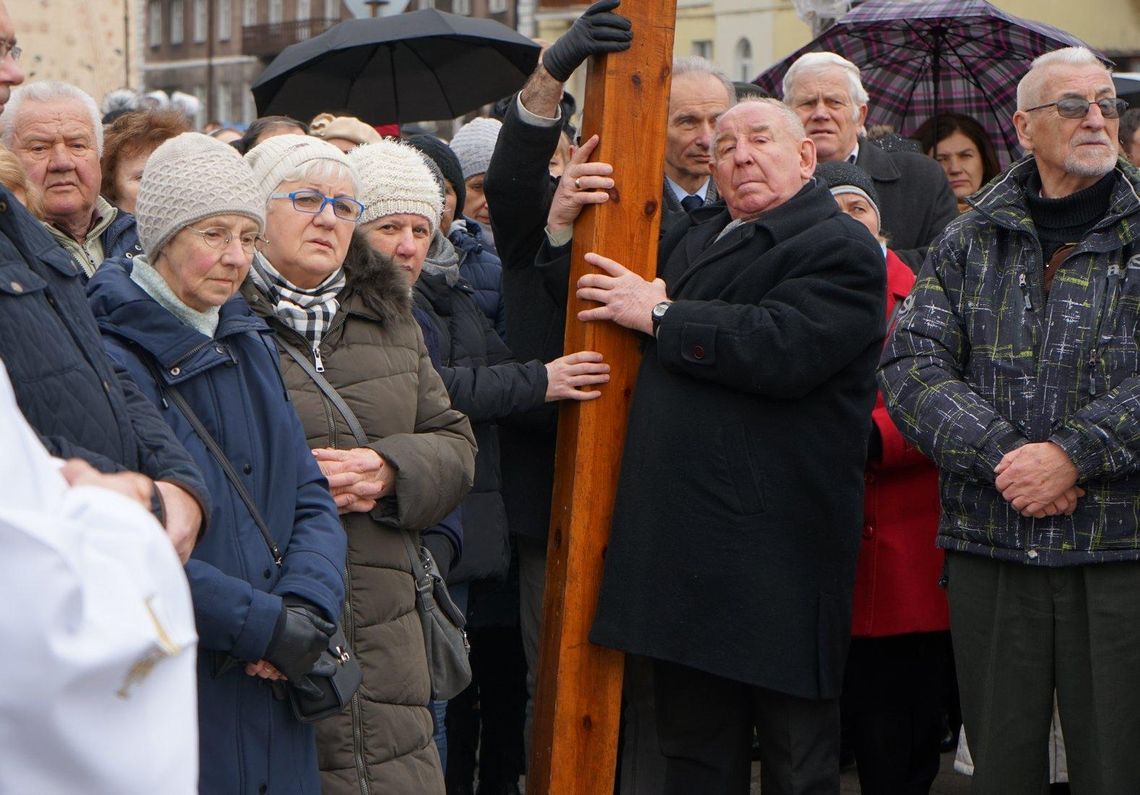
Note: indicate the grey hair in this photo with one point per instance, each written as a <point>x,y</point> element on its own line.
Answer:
<point>1029,87</point>
<point>49,91</point>
<point>696,65</point>
<point>320,171</point>
<point>816,62</point>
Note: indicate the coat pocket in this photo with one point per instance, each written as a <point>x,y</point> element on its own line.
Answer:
<point>744,469</point>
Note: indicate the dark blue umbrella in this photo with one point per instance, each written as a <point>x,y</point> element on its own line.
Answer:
<point>919,59</point>
<point>406,67</point>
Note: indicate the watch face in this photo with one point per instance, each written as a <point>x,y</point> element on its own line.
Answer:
<point>659,309</point>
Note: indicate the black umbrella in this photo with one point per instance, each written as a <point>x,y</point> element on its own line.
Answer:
<point>407,67</point>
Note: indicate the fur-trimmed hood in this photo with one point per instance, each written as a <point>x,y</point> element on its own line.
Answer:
<point>375,283</point>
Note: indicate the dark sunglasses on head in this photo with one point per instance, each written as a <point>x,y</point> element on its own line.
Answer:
<point>1077,108</point>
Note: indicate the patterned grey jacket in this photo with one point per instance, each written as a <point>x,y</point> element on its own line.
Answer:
<point>980,363</point>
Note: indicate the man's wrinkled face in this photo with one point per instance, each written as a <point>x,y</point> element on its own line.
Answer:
<point>1075,152</point>
<point>759,159</point>
<point>695,102</point>
<point>823,102</point>
<point>56,144</point>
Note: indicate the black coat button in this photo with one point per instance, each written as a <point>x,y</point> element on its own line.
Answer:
<point>247,468</point>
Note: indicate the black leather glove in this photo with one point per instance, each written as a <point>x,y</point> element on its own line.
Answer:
<point>298,639</point>
<point>597,31</point>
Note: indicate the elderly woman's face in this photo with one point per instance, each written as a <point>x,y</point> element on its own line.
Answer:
<point>404,238</point>
<point>201,266</point>
<point>128,177</point>
<point>306,249</point>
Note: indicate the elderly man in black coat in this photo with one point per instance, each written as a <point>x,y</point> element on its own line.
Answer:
<point>826,92</point>
<point>738,514</point>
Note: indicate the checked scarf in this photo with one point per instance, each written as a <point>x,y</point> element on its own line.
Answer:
<point>308,312</point>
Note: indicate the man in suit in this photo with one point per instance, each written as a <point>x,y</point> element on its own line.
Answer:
<point>826,92</point>
<point>733,572</point>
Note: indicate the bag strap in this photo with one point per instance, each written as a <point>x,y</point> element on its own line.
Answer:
<point>168,391</point>
<point>329,391</point>
<point>419,572</point>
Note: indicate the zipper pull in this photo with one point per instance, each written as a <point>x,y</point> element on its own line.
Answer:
<point>317,359</point>
<point>1092,371</point>
<point>1024,285</point>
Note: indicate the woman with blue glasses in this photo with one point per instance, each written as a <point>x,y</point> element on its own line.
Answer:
<point>345,312</point>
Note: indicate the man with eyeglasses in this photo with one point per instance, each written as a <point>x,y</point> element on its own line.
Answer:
<point>77,401</point>
<point>1015,366</point>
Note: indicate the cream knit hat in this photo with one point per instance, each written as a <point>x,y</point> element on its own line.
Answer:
<point>394,179</point>
<point>275,157</point>
<point>474,144</point>
<point>188,178</point>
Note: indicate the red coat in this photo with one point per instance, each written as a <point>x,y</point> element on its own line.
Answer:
<point>896,581</point>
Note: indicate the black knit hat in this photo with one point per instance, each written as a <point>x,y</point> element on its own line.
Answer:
<point>448,163</point>
<point>841,174</point>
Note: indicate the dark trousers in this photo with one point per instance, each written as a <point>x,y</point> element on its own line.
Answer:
<point>487,718</point>
<point>705,725</point>
<point>1019,633</point>
<point>892,708</point>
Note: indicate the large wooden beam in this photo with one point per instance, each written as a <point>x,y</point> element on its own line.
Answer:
<point>578,700</point>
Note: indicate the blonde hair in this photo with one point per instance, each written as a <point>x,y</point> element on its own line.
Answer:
<point>15,178</point>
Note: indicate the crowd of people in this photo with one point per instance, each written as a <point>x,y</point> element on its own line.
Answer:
<point>879,483</point>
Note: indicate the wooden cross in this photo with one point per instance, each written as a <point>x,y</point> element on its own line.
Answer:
<point>578,699</point>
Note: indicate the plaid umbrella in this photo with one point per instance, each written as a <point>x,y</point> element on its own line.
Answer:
<point>936,56</point>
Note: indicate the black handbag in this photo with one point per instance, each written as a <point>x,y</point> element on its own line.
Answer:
<point>445,642</point>
<point>336,674</point>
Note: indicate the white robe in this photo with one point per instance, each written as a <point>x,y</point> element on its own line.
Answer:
<point>97,638</point>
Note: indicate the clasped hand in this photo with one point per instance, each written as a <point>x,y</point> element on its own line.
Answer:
<point>1039,480</point>
<point>357,477</point>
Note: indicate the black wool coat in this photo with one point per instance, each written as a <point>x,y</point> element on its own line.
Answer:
<point>739,508</point>
<point>487,384</point>
<point>915,199</point>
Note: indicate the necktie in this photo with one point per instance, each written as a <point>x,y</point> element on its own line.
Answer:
<point>691,202</point>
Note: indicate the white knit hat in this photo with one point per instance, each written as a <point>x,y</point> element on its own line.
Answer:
<point>394,179</point>
<point>188,178</point>
<point>272,159</point>
<point>474,144</point>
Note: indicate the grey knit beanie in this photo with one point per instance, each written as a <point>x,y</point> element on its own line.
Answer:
<point>272,159</point>
<point>394,179</point>
<point>842,177</point>
<point>188,178</point>
<point>474,144</point>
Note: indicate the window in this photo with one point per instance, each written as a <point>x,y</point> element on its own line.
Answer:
<point>461,7</point>
<point>427,4</point>
<point>304,13</point>
<point>154,22</point>
<point>199,91</point>
<point>744,61</point>
<point>225,12</point>
<point>177,19</point>
<point>249,12</point>
<point>332,9</point>
<point>224,102</point>
<point>704,49</point>
<point>275,11</point>
<point>248,108</point>
<point>497,6</point>
<point>201,20</point>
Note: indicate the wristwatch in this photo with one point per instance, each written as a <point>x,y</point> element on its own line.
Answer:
<point>658,314</point>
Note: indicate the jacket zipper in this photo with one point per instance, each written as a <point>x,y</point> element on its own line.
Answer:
<point>1111,291</point>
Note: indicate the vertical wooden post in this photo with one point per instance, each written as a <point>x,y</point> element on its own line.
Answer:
<point>578,699</point>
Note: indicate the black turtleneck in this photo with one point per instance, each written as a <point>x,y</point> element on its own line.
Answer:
<point>1068,219</point>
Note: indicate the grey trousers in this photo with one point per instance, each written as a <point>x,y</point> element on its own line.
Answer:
<point>1021,631</point>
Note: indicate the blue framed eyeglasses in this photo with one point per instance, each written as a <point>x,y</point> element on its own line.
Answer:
<point>313,202</point>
